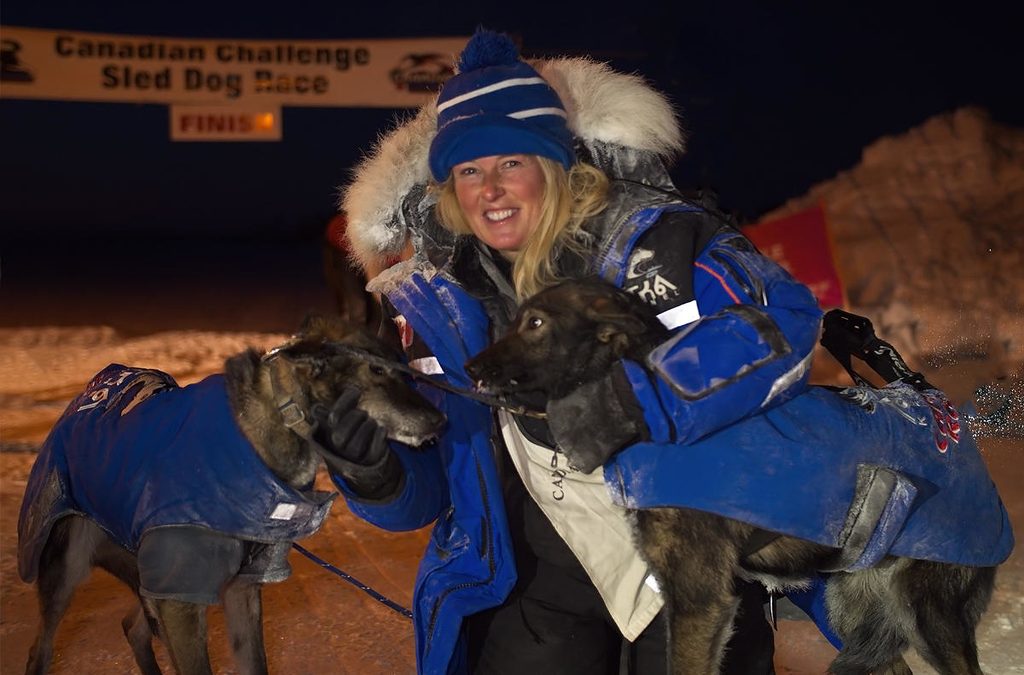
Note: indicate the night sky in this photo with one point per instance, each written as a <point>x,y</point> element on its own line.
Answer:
<point>774,101</point>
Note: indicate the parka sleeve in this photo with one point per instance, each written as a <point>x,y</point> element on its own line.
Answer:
<point>748,349</point>
<point>421,497</point>
<point>444,313</point>
<point>423,493</point>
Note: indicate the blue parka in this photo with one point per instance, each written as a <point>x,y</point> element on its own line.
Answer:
<point>734,370</point>
<point>735,430</point>
<point>749,352</point>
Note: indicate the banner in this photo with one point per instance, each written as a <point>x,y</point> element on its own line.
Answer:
<point>800,243</point>
<point>77,66</point>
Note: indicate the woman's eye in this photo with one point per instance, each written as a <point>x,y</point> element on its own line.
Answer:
<point>511,163</point>
<point>535,322</point>
<point>466,171</point>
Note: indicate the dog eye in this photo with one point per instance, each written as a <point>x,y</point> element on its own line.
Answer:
<point>377,370</point>
<point>535,322</point>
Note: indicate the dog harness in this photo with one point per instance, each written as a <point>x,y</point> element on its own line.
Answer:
<point>167,473</point>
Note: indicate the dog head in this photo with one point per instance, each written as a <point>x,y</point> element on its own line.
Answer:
<point>324,370</point>
<point>565,336</point>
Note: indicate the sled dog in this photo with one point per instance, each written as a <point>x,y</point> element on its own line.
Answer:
<point>250,466</point>
<point>572,333</point>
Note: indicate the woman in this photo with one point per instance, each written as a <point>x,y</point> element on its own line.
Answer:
<point>540,175</point>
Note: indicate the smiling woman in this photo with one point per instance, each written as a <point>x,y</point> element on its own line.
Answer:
<point>522,204</point>
<point>501,199</point>
<point>545,171</point>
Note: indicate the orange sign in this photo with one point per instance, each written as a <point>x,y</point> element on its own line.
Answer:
<point>800,243</point>
<point>225,123</point>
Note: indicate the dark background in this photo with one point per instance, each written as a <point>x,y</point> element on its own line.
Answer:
<point>774,100</point>
<point>775,97</point>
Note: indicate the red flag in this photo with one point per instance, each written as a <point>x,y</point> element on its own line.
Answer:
<point>801,244</point>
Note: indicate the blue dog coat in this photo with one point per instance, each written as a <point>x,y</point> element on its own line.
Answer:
<point>794,470</point>
<point>167,473</point>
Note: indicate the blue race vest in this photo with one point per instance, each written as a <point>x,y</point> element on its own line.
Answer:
<point>793,470</point>
<point>135,452</point>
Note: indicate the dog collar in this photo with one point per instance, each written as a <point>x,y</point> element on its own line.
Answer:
<point>288,396</point>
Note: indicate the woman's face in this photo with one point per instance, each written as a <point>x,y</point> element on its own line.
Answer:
<point>500,196</point>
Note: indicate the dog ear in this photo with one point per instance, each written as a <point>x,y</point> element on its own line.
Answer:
<point>313,324</point>
<point>307,367</point>
<point>613,318</point>
<point>325,327</point>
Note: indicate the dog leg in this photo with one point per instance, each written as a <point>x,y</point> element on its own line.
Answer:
<point>183,628</point>
<point>138,626</point>
<point>897,667</point>
<point>694,556</point>
<point>861,654</point>
<point>243,609</point>
<point>949,601</point>
<point>65,562</point>
<point>139,633</point>
<point>872,619</point>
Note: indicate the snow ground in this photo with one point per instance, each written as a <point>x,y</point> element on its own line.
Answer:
<point>315,621</point>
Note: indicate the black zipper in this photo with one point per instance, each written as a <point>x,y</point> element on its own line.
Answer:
<point>489,550</point>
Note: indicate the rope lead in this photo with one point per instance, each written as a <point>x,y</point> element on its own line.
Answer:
<point>355,582</point>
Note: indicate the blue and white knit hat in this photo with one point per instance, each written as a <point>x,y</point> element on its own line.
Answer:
<point>497,105</point>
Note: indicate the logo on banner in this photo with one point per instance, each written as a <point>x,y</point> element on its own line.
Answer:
<point>11,69</point>
<point>422,72</point>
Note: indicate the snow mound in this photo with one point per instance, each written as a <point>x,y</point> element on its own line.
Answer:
<point>929,238</point>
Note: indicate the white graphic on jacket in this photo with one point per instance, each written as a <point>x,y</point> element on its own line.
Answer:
<point>644,280</point>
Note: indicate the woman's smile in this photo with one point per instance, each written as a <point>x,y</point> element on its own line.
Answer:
<point>500,196</point>
<point>500,215</point>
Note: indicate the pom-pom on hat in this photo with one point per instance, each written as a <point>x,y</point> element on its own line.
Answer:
<point>497,105</point>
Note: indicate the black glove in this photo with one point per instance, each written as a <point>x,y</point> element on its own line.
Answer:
<point>355,447</point>
<point>596,420</point>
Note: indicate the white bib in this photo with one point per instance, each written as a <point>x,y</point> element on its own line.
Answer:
<point>582,512</point>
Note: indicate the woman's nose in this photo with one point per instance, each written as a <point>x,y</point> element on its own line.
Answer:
<point>492,185</point>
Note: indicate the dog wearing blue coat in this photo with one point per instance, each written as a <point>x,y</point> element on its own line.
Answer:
<point>900,565</point>
<point>193,495</point>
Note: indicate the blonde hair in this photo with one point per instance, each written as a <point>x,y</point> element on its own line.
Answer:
<point>570,197</point>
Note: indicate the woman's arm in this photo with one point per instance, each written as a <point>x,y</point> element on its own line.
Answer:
<point>747,343</point>
<point>421,495</point>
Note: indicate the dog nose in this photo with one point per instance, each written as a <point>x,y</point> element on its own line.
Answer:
<point>478,370</point>
<point>473,369</point>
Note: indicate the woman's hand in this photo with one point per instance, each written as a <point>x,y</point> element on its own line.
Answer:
<point>355,447</point>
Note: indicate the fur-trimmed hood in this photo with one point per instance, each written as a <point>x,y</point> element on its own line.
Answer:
<point>617,119</point>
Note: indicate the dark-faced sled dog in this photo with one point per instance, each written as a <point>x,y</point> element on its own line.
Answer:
<point>193,495</point>
<point>874,516</point>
